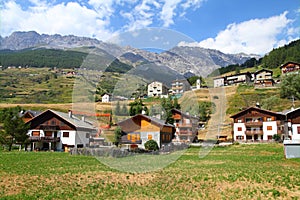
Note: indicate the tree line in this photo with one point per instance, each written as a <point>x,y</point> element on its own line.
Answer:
<point>274,59</point>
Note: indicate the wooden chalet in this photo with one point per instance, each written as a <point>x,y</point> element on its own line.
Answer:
<point>293,124</point>
<point>186,126</point>
<point>290,67</point>
<point>53,130</point>
<point>256,124</point>
<point>140,128</point>
<point>263,78</point>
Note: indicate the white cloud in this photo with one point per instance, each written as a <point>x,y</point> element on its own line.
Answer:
<point>168,12</point>
<point>257,36</point>
<point>64,18</point>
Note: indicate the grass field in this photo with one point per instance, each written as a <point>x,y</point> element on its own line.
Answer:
<point>235,172</point>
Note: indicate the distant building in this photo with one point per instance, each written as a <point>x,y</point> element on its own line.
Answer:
<point>233,79</point>
<point>157,89</point>
<point>263,78</point>
<point>106,98</point>
<point>180,86</point>
<point>219,82</point>
<point>290,67</point>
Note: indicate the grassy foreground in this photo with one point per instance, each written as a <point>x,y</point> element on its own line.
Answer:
<point>235,172</point>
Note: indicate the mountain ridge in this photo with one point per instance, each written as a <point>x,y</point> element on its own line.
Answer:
<point>182,59</point>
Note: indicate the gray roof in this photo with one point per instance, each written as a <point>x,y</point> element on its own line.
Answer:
<point>74,120</point>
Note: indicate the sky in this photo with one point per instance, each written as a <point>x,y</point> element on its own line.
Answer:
<point>231,26</point>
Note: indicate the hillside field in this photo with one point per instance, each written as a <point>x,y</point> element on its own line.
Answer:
<point>236,172</point>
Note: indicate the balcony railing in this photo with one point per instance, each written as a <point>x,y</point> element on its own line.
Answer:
<point>44,139</point>
<point>184,125</point>
<point>254,123</point>
<point>254,132</point>
<point>125,141</point>
<point>184,132</point>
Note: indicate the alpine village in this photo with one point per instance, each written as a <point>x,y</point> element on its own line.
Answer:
<point>59,110</point>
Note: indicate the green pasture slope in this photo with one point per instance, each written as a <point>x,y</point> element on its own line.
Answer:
<point>235,172</point>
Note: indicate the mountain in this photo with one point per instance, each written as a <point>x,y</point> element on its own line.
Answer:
<point>198,60</point>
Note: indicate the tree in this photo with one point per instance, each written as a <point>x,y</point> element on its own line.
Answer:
<point>124,110</point>
<point>118,109</point>
<point>137,107</point>
<point>290,86</point>
<point>151,145</point>
<point>118,135</point>
<point>205,110</point>
<point>14,128</point>
<point>168,104</point>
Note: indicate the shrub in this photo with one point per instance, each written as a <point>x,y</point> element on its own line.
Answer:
<point>151,145</point>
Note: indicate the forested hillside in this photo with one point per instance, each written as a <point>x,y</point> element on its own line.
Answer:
<point>42,58</point>
<point>274,59</point>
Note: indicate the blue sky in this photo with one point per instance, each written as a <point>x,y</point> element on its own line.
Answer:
<point>232,26</point>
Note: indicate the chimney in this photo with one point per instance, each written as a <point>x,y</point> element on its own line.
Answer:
<point>70,113</point>
<point>83,118</point>
<point>257,105</point>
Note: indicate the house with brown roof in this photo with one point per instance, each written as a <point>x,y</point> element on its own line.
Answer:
<point>186,126</point>
<point>53,130</point>
<point>290,67</point>
<point>263,78</point>
<point>140,128</point>
<point>256,124</point>
<point>293,124</point>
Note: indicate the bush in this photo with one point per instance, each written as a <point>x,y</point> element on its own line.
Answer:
<point>151,145</point>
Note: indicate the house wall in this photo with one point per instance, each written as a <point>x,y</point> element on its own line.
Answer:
<point>71,140</point>
<point>263,75</point>
<point>269,131</point>
<point>295,133</point>
<point>237,132</point>
<point>157,89</point>
<point>219,82</point>
<point>150,135</point>
<point>105,98</point>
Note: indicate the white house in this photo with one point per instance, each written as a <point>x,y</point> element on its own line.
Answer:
<point>157,89</point>
<point>257,124</point>
<point>106,98</point>
<point>53,130</point>
<point>293,124</point>
<point>219,82</point>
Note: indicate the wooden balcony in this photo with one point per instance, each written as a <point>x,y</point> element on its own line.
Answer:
<point>125,141</point>
<point>255,132</point>
<point>44,139</point>
<point>179,125</point>
<point>184,132</point>
<point>254,123</point>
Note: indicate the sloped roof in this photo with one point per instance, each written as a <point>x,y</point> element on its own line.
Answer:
<point>283,65</point>
<point>257,109</point>
<point>267,70</point>
<point>32,113</point>
<point>153,120</point>
<point>77,123</point>
<point>184,114</point>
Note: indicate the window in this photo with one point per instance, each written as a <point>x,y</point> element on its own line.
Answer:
<point>65,134</point>
<point>35,133</point>
<point>239,121</point>
<point>298,129</point>
<point>48,134</point>
<point>149,136</point>
<point>269,119</point>
<point>87,135</point>
<point>239,137</point>
<point>239,128</point>
<point>269,128</point>
<point>270,137</point>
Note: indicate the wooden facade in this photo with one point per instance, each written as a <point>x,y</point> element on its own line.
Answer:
<point>186,126</point>
<point>290,67</point>
<point>141,128</point>
<point>254,123</point>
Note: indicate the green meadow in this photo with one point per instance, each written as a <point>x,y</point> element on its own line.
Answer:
<point>235,172</point>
